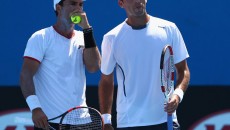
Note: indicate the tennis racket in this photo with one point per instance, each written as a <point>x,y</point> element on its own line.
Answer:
<point>80,118</point>
<point>167,78</point>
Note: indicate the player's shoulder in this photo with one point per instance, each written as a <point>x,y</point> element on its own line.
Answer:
<point>116,30</point>
<point>42,32</point>
<point>162,22</point>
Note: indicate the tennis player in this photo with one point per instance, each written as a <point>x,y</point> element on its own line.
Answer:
<point>134,48</point>
<point>53,72</point>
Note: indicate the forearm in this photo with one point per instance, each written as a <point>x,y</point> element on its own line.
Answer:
<point>183,79</point>
<point>29,68</point>
<point>92,59</point>
<point>91,56</point>
<point>27,85</point>
<point>28,91</point>
<point>106,90</point>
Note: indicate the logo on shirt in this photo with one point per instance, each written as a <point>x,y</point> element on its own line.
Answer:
<point>163,27</point>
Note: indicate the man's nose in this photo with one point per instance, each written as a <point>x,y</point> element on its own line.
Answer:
<point>78,7</point>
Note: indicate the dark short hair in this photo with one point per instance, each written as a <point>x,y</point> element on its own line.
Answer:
<point>61,4</point>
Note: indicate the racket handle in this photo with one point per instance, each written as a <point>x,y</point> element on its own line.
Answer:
<point>170,122</point>
<point>51,128</point>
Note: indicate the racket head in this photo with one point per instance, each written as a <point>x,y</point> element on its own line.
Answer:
<point>167,72</point>
<point>81,118</point>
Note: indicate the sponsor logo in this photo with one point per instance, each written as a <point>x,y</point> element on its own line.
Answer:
<point>215,121</point>
<point>19,119</point>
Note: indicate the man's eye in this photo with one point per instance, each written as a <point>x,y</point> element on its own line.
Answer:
<point>73,3</point>
<point>81,4</point>
<point>76,3</point>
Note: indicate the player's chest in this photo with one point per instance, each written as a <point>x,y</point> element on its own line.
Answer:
<point>140,44</point>
<point>67,51</point>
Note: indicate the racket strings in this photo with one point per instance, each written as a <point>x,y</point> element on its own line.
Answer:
<point>82,119</point>
<point>167,74</point>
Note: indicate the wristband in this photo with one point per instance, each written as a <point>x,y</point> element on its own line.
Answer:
<point>89,38</point>
<point>88,30</point>
<point>33,102</point>
<point>179,92</point>
<point>106,118</point>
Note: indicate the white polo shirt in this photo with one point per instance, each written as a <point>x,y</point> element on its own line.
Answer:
<point>60,81</point>
<point>136,56</point>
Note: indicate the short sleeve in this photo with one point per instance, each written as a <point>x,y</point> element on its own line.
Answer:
<point>179,47</point>
<point>35,47</point>
<point>108,61</point>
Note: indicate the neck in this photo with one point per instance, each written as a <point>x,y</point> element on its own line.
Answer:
<point>139,21</point>
<point>66,31</point>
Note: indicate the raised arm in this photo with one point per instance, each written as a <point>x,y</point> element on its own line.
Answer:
<point>92,59</point>
<point>106,89</point>
<point>91,56</point>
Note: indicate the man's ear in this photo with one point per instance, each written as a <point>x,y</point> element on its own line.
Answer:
<point>120,3</point>
<point>58,7</point>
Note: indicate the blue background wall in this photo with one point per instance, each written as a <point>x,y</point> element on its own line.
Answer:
<point>203,24</point>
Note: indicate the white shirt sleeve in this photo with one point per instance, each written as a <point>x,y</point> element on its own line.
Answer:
<point>179,48</point>
<point>35,47</point>
<point>108,60</point>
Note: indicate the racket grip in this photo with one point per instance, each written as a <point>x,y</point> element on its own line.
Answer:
<point>51,128</point>
<point>170,122</point>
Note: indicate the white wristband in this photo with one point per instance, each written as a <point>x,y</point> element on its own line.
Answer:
<point>107,118</point>
<point>33,102</point>
<point>179,92</point>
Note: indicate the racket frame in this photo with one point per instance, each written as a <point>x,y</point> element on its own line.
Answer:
<point>163,88</point>
<point>74,108</point>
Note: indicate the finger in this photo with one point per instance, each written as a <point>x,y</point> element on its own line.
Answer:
<point>172,100</point>
<point>45,124</point>
<point>170,111</point>
<point>36,124</point>
<point>80,13</point>
<point>170,107</point>
<point>39,124</point>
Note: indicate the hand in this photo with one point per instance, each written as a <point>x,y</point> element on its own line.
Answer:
<point>108,127</point>
<point>172,105</point>
<point>84,24</point>
<point>40,119</point>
